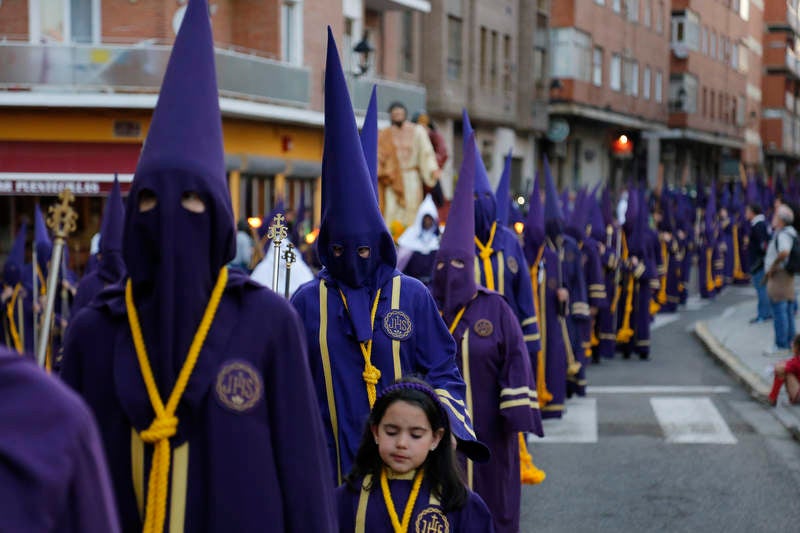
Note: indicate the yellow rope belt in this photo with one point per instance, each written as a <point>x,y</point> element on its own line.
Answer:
<point>542,393</point>
<point>486,252</point>
<point>457,319</point>
<point>165,424</point>
<point>12,303</point>
<point>662,293</point>
<point>371,373</point>
<point>625,332</point>
<point>710,286</point>
<point>397,525</point>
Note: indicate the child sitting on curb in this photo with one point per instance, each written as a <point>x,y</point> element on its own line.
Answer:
<point>788,372</point>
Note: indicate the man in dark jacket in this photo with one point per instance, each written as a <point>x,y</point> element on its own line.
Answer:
<point>756,250</point>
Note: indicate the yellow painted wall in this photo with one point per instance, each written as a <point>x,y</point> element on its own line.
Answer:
<point>241,136</point>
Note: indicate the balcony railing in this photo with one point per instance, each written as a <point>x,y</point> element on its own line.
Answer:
<point>792,62</point>
<point>791,18</point>
<point>139,68</point>
<point>411,95</point>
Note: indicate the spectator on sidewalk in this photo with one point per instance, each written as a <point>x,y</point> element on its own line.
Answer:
<point>780,283</point>
<point>788,372</point>
<point>756,250</point>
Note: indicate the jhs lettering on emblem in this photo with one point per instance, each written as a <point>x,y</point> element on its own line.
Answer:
<point>397,325</point>
<point>239,386</point>
<point>432,520</point>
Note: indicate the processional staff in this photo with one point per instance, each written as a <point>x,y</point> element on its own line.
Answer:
<point>61,219</point>
<point>277,233</point>
<point>289,256</point>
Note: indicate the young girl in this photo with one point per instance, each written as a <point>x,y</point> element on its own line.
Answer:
<point>788,371</point>
<point>405,477</point>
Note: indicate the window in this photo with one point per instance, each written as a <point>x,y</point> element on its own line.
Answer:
<point>720,115</point>
<point>64,21</point>
<point>705,102</point>
<point>600,2</point>
<point>631,76</point>
<point>704,40</point>
<point>686,29</point>
<point>646,83</point>
<point>493,62</point>
<point>632,7</point>
<point>597,66</point>
<point>292,31</point>
<point>616,5</point>
<point>712,44</point>
<point>454,47</point>
<point>647,15</point>
<point>735,56</point>
<point>508,61</point>
<point>660,16</point>
<point>659,86</point>
<point>711,104</point>
<point>484,55</point>
<point>683,93</point>
<point>721,47</point>
<point>740,110</point>
<point>408,42</point>
<point>571,51</point>
<point>615,72</point>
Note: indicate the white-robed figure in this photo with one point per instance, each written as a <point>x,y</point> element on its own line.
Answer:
<point>418,244</point>
<point>301,272</point>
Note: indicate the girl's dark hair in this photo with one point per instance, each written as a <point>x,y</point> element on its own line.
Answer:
<point>442,471</point>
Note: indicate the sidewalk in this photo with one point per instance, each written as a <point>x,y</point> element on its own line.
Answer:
<point>740,346</point>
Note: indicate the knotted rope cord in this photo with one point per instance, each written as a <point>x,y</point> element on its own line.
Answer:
<point>371,373</point>
<point>486,252</point>
<point>12,303</point>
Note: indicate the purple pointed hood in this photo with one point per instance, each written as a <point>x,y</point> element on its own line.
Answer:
<point>667,218</point>
<point>632,212</point>
<point>606,208</point>
<point>753,196</point>
<point>41,240</point>
<point>369,138</point>
<point>564,199</point>
<point>453,287</point>
<point>15,262</point>
<point>112,266</point>
<point>534,235</point>
<point>576,226</point>
<point>351,219</point>
<point>503,193</point>
<point>174,254</point>
<point>711,213</point>
<point>553,216</point>
<point>598,225</point>
<point>637,242</point>
<point>485,203</point>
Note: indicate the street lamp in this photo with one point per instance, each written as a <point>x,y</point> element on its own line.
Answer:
<point>363,49</point>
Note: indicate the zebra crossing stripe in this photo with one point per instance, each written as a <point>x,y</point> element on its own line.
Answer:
<point>691,420</point>
<point>579,423</point>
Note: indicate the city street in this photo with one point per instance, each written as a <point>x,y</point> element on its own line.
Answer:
<point>670,444</point>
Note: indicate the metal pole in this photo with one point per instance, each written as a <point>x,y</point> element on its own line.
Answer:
<point>277,233</point>
<point>52,280</point>
<point>289,257</point>
<point>35,296</point>
<point>61,219</point>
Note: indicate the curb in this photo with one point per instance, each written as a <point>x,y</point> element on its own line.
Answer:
<point>751,380</point>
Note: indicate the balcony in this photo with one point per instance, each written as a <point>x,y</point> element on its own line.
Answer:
<point>792,62</point>
<point>423,6</point>
<point>411,95</point>
<point>139,68</point>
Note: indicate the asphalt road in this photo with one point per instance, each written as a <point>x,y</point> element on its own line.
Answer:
<point>669,444</point>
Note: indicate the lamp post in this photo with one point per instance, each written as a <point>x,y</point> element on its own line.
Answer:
<point>364,50</point>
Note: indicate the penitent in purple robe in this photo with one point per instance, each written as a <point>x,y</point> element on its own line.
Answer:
<point>501,395</point>
<point>53,475</point>
<point>248,459</point>
<point>427,516</point>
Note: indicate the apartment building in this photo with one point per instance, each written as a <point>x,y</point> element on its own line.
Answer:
<point>490,57</point>
<point>79,80</point>
<point>753,53</point>
<point>780,121</point>
<point>609,73</point>
<point>707,88</point>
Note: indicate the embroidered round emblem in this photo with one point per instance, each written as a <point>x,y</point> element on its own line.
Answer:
<point>483,327</point>
<point>397,325</point>
<point>430,520</point>
<point>239,386</point>
<point>512,264</point>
